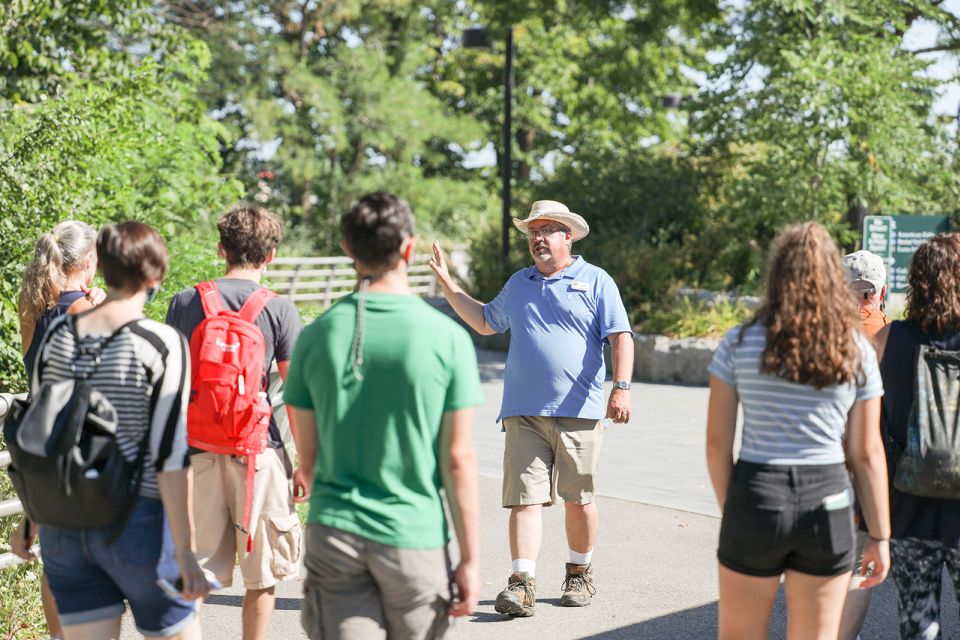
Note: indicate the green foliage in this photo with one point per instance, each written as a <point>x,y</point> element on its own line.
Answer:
<point>342,89</point>
<point>644,213</point>
<point>138,148</point>
<point>310,312</point>
<point>488,270</point>
<point>689,319</point>
<point>589,75</point>
<point>49,45</point>
<point>367,95</point>
<point>21,617</point>
<point>818,113</point>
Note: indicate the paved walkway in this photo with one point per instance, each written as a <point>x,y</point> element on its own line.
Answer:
<point>655,564</point>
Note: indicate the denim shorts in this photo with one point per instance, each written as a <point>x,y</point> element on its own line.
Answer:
<point>780,517</point>
<point>90,579</point>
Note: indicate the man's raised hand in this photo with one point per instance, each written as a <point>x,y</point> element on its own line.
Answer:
<point>439,265</point>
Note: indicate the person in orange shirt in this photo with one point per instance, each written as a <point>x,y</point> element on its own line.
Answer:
<point>867,277</point>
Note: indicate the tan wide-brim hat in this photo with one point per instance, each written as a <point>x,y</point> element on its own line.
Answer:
<point>558,212</point>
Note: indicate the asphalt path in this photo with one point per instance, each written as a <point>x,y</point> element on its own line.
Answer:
<point>654,563</point>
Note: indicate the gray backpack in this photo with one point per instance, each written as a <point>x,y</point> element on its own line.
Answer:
<point>66,464</point>
<point>930,463</point>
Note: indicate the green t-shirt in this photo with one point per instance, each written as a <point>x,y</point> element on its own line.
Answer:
<point>378,439</point>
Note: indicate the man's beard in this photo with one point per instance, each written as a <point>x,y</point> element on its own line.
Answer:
<point>542,252</point>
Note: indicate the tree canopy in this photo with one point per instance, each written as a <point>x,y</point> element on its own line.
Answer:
<point>168,110</point>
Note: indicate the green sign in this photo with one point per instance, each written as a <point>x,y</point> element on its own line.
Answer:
<point>895,238</point>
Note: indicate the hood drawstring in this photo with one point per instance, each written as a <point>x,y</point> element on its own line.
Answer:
<point>357,349</point>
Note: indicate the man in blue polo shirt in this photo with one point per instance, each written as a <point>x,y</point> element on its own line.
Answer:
<point>560,311</point>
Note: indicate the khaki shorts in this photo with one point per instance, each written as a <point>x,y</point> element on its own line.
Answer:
<point>358,589</point>
<point>545,458</point>
<point>219,491</point>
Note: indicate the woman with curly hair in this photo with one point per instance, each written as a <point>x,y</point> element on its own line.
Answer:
<point>807,378</point>
<point>926,531</point>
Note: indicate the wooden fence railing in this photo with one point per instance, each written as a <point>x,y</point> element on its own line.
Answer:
<point>325,280</point>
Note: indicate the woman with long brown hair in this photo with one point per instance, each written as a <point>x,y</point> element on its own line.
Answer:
<point>807,378</point>
<point>925,531</point>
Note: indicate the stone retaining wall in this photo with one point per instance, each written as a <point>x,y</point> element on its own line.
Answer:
<point>673,360</point>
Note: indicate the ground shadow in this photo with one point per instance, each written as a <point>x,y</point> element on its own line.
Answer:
<point>698,622</point>
<point>701,622</point>
<point>281,604</point>
<point>483,616</point>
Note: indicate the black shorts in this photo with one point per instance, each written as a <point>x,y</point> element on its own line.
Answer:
<point>780,517</point>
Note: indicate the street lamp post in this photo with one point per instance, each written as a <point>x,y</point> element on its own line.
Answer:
<point>476,38</point>
<point>507,145</point>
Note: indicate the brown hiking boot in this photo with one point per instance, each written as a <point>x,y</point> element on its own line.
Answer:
<point>578,586</point>
<point>519,598</point>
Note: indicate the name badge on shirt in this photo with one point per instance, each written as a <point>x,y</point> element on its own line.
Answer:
<point>580,286</point>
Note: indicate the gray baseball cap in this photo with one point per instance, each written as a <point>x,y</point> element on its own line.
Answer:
<point>864,268</point>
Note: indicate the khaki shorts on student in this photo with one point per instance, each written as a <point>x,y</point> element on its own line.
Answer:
<point>546,458</point>
<point>358,589</point>
<point>219,491</point>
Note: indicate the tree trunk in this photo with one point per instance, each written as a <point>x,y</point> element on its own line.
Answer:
<point>306,201</point>
<point>856,212</point>
<point>525,138</point>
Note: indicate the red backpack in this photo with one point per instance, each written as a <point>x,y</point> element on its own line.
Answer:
<point>229,412</point>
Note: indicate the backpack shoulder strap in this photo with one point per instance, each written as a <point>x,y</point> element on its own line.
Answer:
<point>38,362</point>
<point>210,298</point>
<point>255,303</point>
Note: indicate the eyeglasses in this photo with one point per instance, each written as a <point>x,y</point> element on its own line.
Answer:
<point>863,288</point>
<point>544,232</point>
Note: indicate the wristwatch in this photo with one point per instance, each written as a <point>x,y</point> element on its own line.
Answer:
<point>621,384</point>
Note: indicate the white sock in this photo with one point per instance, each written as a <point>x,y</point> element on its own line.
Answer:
<point>525,566</point>
<point>580,558</point>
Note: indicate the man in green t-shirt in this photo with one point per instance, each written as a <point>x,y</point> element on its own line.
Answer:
<point>382,389</point>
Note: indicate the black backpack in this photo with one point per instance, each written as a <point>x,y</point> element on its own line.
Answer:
<point>930,463</point>
<point>66,465</point>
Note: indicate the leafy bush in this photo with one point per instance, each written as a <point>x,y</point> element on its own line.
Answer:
<point>488,271</point>
<point>688,319</point>
<point>20,614</point>
<point>140,148</point>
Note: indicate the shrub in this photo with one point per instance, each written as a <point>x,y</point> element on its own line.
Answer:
<point>688,318</point>
<point>141,148</point>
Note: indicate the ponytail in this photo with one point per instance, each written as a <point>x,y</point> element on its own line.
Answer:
<point>43,281</point>
<point>56,256</point>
